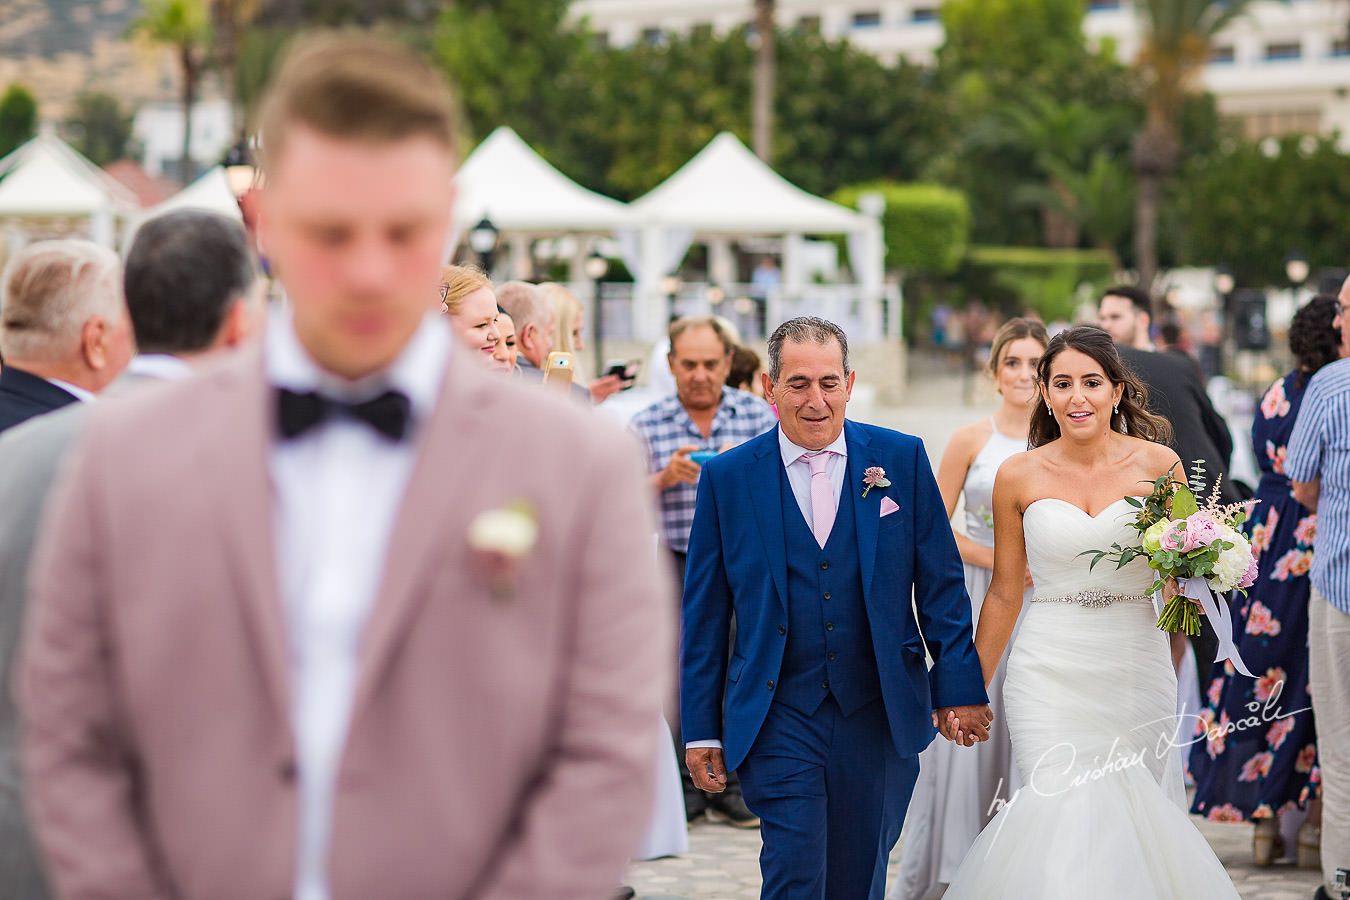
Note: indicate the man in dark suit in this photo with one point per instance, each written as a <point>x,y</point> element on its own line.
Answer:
<point>1175,391</point>
<point>192,289</point>
<point>816,535</point>
<point>64,330</point>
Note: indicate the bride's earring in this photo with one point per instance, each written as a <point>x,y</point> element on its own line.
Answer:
<point>1116,409</point>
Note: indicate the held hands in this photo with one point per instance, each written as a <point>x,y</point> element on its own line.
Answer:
<point>965,725</point>
<point>699,761</point>
<point>680,469</point>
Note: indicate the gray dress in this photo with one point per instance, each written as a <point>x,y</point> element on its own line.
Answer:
<point>958,787</point>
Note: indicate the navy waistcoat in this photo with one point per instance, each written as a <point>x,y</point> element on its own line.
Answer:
<point>829,641</point>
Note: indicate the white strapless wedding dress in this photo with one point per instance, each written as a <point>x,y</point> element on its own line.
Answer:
<point>1091,701</point>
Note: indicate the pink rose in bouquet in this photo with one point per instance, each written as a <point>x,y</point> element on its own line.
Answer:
<point>1249,577</point>
<point>1202,529</point>
<point>1178,537</point>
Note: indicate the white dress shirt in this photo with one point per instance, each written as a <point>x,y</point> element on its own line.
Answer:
<point>159,365</point>
<point>338,488</point>
<point>799,479</point>
<point>78,393</point>
<point>799,473</point>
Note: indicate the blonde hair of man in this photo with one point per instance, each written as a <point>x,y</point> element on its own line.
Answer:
<point>458,282</point>
<point>49,291</point>
<point>355,88</point>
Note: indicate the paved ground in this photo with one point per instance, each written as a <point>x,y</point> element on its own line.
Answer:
<point>722,863</point>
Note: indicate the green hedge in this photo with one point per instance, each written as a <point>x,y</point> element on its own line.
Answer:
<point>927,226</point>
<point>1022,278</point>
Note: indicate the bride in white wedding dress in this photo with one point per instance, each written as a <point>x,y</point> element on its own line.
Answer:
<point>1090,693</point>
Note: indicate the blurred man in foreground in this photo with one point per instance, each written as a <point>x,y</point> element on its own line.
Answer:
<point>324,658</point>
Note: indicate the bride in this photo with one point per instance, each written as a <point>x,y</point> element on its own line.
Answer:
<point>1090,693</point>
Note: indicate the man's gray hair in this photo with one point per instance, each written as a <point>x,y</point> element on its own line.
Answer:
<point>525,303</point>
<point>719,326</point>
<point>803,330</point>
<point>47,293</point>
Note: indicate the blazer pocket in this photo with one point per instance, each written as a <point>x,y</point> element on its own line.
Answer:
<point>734,671</point>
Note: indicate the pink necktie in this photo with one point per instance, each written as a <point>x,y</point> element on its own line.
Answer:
<point>822,496</point>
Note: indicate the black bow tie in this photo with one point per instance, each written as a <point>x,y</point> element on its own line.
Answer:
<point>388,413</point>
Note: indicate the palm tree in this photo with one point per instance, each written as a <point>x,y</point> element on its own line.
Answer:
<point>229,19</point>
<point>183,26</point>
<point>1059,139</point>
<point>765,64</point>
<point>1177,38</point>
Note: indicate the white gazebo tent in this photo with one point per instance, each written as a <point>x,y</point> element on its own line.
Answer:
<point>45,180</point>
<point>505,181</point>
<point>726,191</point>
<point>211,192</point>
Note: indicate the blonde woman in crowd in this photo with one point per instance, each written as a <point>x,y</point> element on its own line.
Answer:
<point>567,336</point>
<point>958,786</point>
<point>466,294</point>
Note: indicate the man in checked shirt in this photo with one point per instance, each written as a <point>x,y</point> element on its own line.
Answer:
<point>704,416</point>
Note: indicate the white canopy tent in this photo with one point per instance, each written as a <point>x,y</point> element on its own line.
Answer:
<point>211,192</point>
<point>725,191</point>
<point>506,182</point>
<point>46,179</point>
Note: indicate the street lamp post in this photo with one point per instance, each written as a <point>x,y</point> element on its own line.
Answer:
<point>596,267</point>
<point>1296,269</point>
<point>670,286</point>
<point>483,240</point>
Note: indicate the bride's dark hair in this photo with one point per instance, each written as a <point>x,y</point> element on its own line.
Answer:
<point>1133,418</point>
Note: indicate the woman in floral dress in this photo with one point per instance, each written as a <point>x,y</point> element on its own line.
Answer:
<point>1254,754</point>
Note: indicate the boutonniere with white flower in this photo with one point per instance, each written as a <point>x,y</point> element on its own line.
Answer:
<point>499,540</point>
<point>874,477</point>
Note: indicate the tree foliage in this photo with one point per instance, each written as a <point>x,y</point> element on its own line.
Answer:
<point>1250,204</point>
<point>18,117</point>
<point>926,226</point>
<point>620,120</point>
<point>99,127</point>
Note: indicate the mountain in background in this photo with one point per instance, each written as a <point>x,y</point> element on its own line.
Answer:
<point>60,48</point>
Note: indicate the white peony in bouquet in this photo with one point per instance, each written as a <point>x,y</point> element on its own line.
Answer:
<point>1200,548</point>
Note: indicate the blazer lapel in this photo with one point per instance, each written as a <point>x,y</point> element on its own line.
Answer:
<point>456,430</point>
<point>245,502</point>
<point>866,511</point>
<point>764,481</point>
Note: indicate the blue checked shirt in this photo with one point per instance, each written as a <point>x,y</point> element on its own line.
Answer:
<point>665,427</point>
<point>1320,448</point>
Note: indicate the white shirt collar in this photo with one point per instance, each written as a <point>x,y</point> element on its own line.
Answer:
<point>159,365</point>
<point>78,393</point>
<point>417,371</point>
<point>791,452</point>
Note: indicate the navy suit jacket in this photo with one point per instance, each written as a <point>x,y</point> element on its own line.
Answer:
<point>737,562</point>
<point>23,396</point>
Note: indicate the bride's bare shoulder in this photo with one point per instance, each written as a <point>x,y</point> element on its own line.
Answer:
<point>1154,458</point>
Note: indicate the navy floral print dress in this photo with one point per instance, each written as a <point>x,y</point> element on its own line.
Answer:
<point>1254,752</point>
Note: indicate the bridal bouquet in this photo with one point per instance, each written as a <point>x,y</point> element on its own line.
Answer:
<point>1200,546</point>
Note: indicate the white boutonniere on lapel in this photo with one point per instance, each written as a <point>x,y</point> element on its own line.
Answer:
<point>874,477</point>
<point>499,539</point>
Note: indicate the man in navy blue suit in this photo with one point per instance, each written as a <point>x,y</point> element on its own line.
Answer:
<point>816,536</point>
<point>65,332</point>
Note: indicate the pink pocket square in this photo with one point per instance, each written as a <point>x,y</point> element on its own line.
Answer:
<point>888,506</point>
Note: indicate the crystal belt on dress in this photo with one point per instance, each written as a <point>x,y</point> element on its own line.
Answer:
<point>1094,598</point>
